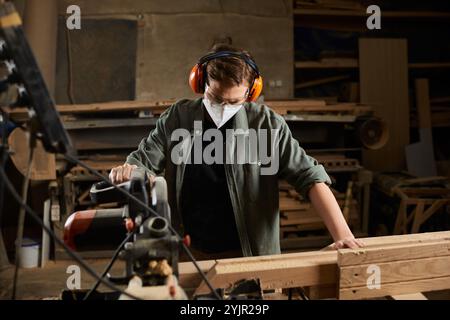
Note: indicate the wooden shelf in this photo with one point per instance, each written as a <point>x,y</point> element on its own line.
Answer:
<point>362,13</point>
<point>348,64</point>
<point>326,64</point>
<point>429,65</point>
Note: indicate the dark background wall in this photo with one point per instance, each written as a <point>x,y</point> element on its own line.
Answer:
<point>145,49</point>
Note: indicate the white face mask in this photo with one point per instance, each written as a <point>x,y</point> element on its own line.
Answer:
<point>220,113</point>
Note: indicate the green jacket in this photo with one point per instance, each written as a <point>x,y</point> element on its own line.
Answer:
<point>254,197</point>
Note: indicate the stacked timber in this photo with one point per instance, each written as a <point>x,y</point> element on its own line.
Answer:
<point>407,264</point>
<point>155,108</point>
<point>297,214</point>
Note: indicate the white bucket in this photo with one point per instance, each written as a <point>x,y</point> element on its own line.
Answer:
<point>29,254</point>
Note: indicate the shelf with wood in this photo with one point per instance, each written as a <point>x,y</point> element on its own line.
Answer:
<point>353,63</point>
<point>410,14</point>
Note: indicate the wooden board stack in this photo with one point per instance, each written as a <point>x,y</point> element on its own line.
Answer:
<point>298,215</point>
<point>398,268</point>
<point>408,264</point>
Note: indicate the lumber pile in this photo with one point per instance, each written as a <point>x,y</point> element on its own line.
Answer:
<point>402,268</point>
<point>298,215</point>
<point>304,106</point>
<point>282,107</point>
<point>337,162</point>
<point>155,107</point>
<point>408,263</point>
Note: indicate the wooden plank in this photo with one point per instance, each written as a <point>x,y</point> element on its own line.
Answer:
<point>313,268</point>
<point>352,92</point>
<point>421,285</point>
<point>325,291</point>
<point>423,103</point>
<point>305,219</point>
<point>417,217</point>
<point>317,82</point>
<point>345,64</point>
<point>440,100</point>
<point>290,204</point>
<point>348,257</point>
<point>384,85</point>
<point>429,191</point>
<point>410,296</point>
<point>429,65</point>
<point>188,274</point>
<point>276,271</point>
<point>431,210</point>
<point>403,239</point>
<point>41,29</point>
<point>296,103</point>
<point>156,106</point>
<point>396,271</point>
<point>407,267</point>
<point>353,64</point>
<point>362,13</point>
<point>283,108</point>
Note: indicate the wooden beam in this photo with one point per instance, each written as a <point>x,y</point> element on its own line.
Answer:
<point>189,276</point>
<point>397,271</point>
<point>317,82</point>
<point>398,268</point>
<point>276,271</point>
<point>403,239</point>
<point>431,210</point>
<point>353,108</point>
<point>315,268</point>
<point>157,107</point>
<point>414,250</point>
<point>362,13</point>
<point>396,288</point>
<point>353,64</point>
<point>411,296</point>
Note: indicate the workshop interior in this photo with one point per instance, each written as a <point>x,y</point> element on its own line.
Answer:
<point>90,195</point>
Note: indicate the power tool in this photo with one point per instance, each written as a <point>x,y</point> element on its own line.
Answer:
<point>152,253</point>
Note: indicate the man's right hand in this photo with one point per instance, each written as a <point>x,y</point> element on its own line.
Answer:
<point>121,173</point>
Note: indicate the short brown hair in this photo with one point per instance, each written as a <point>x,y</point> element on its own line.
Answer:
<point>229,70</point>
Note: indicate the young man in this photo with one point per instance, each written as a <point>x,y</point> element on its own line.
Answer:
<point>227,206</point>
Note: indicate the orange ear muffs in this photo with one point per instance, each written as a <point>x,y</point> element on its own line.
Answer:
<point>256,89</point>
<point>196,79</point>
<point>197,75</point>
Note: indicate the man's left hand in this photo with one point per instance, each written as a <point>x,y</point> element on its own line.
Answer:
<point>351,243</point>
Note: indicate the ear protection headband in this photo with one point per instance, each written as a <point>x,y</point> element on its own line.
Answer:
<point>197,77</point>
